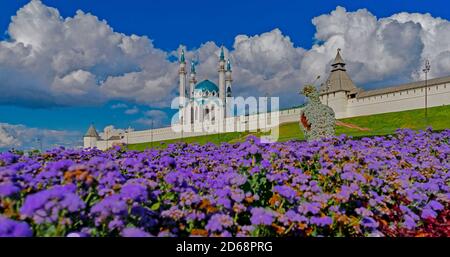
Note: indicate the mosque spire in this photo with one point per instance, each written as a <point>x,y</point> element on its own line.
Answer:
<point>222,55</point>
<point>193,67</point>
<point>228,65</point>
<point>182,59</point>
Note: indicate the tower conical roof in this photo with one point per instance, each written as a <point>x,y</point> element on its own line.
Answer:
<point>338,59</point>
<point>92,132</point>
<point>338,80</point>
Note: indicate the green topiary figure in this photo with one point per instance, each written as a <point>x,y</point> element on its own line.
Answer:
<point>316,119</point>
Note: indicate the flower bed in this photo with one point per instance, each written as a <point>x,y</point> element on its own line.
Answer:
<point>382,186</point>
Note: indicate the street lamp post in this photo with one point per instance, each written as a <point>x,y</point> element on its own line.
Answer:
<point>426,69</point>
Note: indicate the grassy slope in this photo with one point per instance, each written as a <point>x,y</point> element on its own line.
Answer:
<point>380,124</point>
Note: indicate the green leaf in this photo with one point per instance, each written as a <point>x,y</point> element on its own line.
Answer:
<point>155,206</point>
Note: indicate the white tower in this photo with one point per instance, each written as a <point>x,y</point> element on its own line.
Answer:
<point>228,91</point>
<point>192,80</point>
<point>182,75</point>
<point>338,88</point>
<point>221,70</point>
<point>91,137</point>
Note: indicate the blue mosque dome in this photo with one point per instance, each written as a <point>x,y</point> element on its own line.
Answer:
<point>207,85</point>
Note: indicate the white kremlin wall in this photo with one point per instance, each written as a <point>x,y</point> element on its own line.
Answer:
<point>371,103</point>
<point>240,124</point>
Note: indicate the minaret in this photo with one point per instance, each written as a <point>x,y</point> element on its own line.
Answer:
<point>182,75</point>
<point>222,78</point>
<point>228,81</point>
<point>192,80</point>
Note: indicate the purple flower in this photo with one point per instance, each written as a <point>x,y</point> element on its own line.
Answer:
<point>265,164</point>
<point>262,216</point>
<point>226,189</point>
<point>363,212</point>
<point>322,221</point>
<point>8,189</point>
<point>428,213</point>
<point>435,205</point>
<point>369,222</point>
<point>134,232</point>
<point>291,216</point>
<point>306,208</point>
<point>77,234</point>
<point>46,206</point>
<point>8,158</point>
<point>409,222</point>
<point>285,191</point>
<point>168,161</point>
<point>237,195</point>
<point>12,228</point>
<point>134,192</point>
<point>218,222</point>
<point>253,149</point>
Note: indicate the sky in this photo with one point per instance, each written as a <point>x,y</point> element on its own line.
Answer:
<point>67,64</point>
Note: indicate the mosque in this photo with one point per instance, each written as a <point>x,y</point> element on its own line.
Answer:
<point>204,101</point>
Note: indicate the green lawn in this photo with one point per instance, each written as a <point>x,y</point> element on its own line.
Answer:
<point>380,124</point>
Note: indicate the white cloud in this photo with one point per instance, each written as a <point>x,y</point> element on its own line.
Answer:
<point>154,118</point>
<point>110,131</point>
<point>131,111</point>
<point>375,49</point>
<point>80,60</point>
<point>6,137</point>
<point>119,106</point>
<point>49,60</point>
<point>23,137</point>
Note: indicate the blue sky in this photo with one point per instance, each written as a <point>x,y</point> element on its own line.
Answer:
<point>169,24</point>
<point>220,21</point>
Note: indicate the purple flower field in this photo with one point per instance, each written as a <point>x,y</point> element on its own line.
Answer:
<point>395,185</point>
